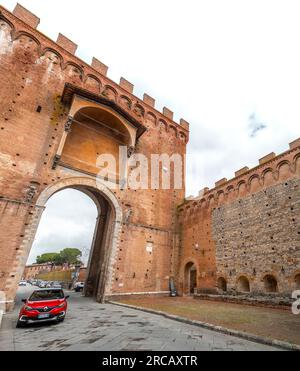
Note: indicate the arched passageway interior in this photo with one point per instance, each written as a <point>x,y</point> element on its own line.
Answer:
<point>190,280</point>
<point>270,283</point>
<point>79,217</point>
<point>243,284</point>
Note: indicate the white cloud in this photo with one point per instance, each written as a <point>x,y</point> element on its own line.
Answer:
<point>68,221</point>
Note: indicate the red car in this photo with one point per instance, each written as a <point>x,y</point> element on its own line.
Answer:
<point>43,306</point>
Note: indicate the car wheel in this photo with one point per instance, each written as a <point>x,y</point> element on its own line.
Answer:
<point>21,324</point>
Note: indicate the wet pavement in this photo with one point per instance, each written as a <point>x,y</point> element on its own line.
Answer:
<point>90,326</point>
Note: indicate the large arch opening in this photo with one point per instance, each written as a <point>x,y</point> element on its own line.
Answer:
<point>190,279</point>
<point>66,228</point>
<point>91,237</point>
<point>100,264</point>
<point>271,285</point>
<point>243,285</point>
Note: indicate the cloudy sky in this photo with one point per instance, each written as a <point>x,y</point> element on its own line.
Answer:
<point>229,67</point>
<point>68,221</point>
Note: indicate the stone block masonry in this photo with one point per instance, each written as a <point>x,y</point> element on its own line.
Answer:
<point>243,237</point>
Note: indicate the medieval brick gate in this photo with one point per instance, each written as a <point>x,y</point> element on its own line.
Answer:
<point>57,116</point>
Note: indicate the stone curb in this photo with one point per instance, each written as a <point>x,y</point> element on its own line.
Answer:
<point>223,330</point>
<point>7,334</point>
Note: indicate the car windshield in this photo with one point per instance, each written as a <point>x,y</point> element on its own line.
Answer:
<point>47,295</point>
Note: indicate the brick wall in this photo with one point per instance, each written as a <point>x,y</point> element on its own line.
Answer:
<point>246,231</point>
<point>33,74</point>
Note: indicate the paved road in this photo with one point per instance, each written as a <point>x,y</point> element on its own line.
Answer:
<point>94,327</point>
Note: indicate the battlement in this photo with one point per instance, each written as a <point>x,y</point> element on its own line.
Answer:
<point>26,16</point>
<point>272,169</point>
<point>23,20</point>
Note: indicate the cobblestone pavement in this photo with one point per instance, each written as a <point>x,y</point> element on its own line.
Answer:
<point>90,326</point>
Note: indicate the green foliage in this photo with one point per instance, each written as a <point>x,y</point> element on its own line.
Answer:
<point>70,256</point>
<point>47,258</point>
<point>66,256</point>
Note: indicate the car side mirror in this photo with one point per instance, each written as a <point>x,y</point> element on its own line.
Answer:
<point>24,301</point>
<point>67,297</point>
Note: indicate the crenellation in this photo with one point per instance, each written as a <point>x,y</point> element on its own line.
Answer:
<point>267,158</point>
<point>295,144</point>
<point>70,47</point>
<point>149,100</point>
<point>126,85</point>
<point>203,192</point>
<point>66,44</point>
<point>26,16</point>
<point>99,66</point>
<point>168,113</point>
<point>221,182</point>
<point>185,125</point>
<point>242,171</point>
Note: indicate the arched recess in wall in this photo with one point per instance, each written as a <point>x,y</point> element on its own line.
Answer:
<point>243,284</point>
<point>53,62</point>
<point>110,93</point>
<point>222,284</point>
<point>6,25</point>
<point>73,73</point>
<point>96,132</point>
<point>125,102</point>
<point>93,84</point>
<point>211,201</point>
<point>254,183</point>
<point>297,164</point>
<point>221,198</point>
<point>242,188</point>
<point>270,284</point>
<point>163,126</point>
<point>297,281</point>
<point>190,278</point>
<point>284,170</point>
<point>230,193</point>
<point>151,119</point>
<point>268,177</point>
<point>26,47</point>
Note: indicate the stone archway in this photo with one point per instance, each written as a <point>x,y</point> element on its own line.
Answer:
<point>106,236</point>
<point>190,278</point>
<point>271,284</point>
<point>243,285</point>
<point>222,284</point>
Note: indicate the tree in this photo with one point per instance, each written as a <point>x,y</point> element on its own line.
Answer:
<point>70,256</point>
<point>47,258</point>
<point>66,256</point>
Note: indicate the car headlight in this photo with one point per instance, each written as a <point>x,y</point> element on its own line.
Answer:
<point>61,305</point>
<point>28,308</point>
